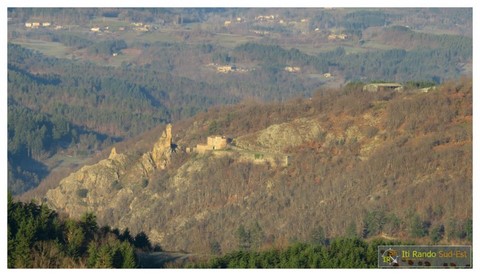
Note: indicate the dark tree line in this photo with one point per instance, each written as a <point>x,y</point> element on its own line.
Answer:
<point>39,238</point>
<point>340,253</point>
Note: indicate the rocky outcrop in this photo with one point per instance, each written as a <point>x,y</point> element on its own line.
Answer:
<point>113,153</point>
<point>162,149</point>
<point>88,188</point>
<point>99,187</point>
<point>278,137</point>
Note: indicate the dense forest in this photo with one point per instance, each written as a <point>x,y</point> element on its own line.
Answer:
<point>34,136</point>
<point>39,237</point>
<point>96,99</point>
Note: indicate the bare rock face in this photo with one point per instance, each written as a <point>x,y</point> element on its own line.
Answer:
<point>89,188</point>
<point>99,187</point>
<point>113,153</point>
<point>161,152</point>
<point>278,137</point>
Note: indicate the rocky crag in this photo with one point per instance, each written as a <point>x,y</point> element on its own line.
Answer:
<point>111,181</point>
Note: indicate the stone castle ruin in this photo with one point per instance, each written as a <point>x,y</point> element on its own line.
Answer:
<point>216,145</point>
<point>161,153</point>
<point>213,143</point>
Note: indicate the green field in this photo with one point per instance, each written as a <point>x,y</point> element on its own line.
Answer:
<point>149,37</point>
<point>54,49</point>
<point>231,41</point>
<point>378,46</point>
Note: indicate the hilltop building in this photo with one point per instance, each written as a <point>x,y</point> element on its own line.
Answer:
<point>33,25</point>
<point>292,69</point>
<point>337,37</point>
<point>213,143</point>
<point>226,68</point>
<point>265,17</point>
<point>374,87</point>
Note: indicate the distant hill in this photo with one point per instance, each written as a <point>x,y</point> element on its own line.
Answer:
<point>408,39</point>
<point>345,162</point>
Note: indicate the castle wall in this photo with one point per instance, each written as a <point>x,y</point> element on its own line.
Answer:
<point>202,148</point>
<point>213,143</point>
<point>217,142</point>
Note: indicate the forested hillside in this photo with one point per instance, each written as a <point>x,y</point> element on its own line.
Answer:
<point>34,136</point>
<point>367,164</point>
<point>429,57</point>
<point>116,102</point>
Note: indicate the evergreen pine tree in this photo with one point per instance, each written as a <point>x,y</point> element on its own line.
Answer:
<point>129,257</point>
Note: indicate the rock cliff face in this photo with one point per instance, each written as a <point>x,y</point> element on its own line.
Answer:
<point>110,182</point>
<point>278,137</point>
<point>161,152</point>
